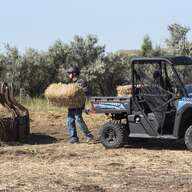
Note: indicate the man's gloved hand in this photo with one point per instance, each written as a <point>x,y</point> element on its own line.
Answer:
<point>87,111</point>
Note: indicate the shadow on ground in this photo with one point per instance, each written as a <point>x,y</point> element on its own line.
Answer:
<point>155,144</point>
<point>39,138</point>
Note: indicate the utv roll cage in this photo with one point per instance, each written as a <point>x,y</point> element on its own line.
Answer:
<point>172,60</point>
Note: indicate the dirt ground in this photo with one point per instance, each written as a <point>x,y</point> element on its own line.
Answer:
<point>45,162</point>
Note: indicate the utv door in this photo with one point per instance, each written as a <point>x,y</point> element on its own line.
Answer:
<point>153,95</point>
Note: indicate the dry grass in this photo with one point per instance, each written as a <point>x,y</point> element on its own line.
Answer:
<point>83,167</point>
<point>47,163</point>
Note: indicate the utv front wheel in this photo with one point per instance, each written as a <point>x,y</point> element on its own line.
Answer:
<point>112,135</point>
<point>188,138</point>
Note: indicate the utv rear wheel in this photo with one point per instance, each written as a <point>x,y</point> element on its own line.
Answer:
<point>188,138</point>
<point>112,135</point>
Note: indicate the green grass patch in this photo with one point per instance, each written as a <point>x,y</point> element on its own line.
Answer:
<point>38,104</point>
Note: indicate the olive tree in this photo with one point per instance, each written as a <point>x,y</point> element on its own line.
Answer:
<point>178,42</point>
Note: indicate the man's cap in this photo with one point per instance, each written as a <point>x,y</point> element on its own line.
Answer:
<point>74,69</point>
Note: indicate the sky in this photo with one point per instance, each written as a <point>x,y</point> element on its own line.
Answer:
<point>118,24</point>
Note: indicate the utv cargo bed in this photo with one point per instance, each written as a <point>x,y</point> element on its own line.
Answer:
<point>111,104</point>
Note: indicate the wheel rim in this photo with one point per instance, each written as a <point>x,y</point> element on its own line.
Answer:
<point>110,136</point>
<point>190,137</point>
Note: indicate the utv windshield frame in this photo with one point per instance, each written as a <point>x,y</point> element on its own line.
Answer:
<point>168,60</point>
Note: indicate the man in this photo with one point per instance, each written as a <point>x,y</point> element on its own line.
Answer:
<point>158,79</point>
<point>75,115</point>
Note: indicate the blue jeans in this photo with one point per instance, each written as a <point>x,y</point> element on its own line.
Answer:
<point>76,115</point>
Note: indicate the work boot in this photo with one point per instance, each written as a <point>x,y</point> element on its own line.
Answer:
<point>73,140</point>
<point>89,138</point>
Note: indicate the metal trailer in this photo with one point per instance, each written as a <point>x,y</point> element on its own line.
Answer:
<point>16,125</point>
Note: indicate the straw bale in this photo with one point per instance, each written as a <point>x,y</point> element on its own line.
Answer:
<point>65,95</point>
<point>124,90</point>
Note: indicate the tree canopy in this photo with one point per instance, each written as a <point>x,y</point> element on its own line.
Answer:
<point>34,70</point>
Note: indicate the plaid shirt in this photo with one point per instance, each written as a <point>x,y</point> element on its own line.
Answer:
<point>82,84</point>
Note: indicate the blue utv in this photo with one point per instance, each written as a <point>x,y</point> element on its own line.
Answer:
<point>160,105</point>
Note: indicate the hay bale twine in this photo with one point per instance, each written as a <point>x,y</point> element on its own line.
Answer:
<point>65,95</point>
<point>124,90</point>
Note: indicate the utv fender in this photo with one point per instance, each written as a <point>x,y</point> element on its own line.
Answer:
<point>182,120</point>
